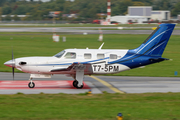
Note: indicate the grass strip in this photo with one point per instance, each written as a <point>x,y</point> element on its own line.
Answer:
<point>147,106</point>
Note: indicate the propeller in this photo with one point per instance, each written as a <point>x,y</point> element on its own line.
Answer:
<point>13,64</point>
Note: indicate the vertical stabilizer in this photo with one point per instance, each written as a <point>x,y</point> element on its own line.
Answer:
<point>155,44</point>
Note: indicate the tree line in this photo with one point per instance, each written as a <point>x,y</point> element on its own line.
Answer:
<point>85,9</point>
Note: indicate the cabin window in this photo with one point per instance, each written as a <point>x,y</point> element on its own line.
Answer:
<point>113,56</point>
<point>87,56</point>
<point>70,55</point>
<point>100,56</point>
<point>59,54</point>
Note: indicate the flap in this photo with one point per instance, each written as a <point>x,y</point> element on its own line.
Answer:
<point>59,69</point>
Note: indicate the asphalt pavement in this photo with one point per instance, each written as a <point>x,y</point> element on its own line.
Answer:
<point>122,83</point>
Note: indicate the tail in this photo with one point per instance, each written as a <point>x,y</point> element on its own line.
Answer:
<point>155,44</point>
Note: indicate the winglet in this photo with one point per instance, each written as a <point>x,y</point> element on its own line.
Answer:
<point>101,46</point>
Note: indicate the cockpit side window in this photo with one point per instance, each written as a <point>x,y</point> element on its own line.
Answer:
<point>60,54</point>
<point>70,55</point>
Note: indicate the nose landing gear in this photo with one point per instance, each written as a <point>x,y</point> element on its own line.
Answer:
<point>31,84</point>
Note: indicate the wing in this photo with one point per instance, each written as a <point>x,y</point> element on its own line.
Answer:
<point>86,67</point>
<point>59,69</point>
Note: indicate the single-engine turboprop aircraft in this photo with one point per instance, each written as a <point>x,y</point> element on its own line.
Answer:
<point>80,62</point>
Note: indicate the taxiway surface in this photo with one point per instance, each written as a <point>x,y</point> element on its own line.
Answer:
<point>77,30</point>
<point>62,84</point>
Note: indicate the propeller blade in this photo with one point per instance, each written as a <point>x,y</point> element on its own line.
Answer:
<point>13,72</point>
<point>12,54</point>
<point>13,64</point>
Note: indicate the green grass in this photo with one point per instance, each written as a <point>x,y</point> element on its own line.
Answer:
<point>40,44</point>
<point>148,106</point>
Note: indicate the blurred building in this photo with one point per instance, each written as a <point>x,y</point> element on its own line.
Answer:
<point>140,14</point>
<point>160,15</point>
<point>178,17</point>
<point>54,13</point>
<point>146,11</point>
<point>43,0</point>
<point>128,19</point>
<point>37,0</point>
<point>20,16</point>
<point>143,11</point>
<point>69,15</point>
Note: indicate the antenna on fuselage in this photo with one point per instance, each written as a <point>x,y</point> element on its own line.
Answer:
<point>101,46</point>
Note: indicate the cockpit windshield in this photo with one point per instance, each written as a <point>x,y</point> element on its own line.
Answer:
<point>59,54</point>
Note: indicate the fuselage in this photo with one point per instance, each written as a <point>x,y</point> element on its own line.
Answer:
<point>103,61</point>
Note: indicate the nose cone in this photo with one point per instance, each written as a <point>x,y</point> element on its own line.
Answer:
<point>10,63</point>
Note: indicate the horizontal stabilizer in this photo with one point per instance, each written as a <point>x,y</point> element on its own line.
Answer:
<point>158,59</point>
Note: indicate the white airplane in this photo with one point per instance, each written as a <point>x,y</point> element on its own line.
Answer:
<point>80,62</point>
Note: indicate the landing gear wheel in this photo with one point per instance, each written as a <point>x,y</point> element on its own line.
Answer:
<point>31,85</point>
<point>79,87</point>
<point>75,82</point>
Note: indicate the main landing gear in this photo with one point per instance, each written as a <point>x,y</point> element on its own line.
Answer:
<point>75,84</point>
<point>78,78</point>
<point>79,75</point>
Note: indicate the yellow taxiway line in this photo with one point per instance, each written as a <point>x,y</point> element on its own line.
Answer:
<point>107,84</point>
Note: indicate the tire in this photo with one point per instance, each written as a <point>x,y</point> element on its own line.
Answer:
<point>80,87</point>
<point>75,82</point>
<point>31,85</point>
